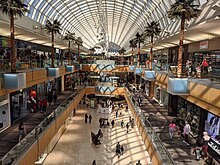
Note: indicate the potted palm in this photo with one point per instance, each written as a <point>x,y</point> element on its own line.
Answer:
<point>153,29</point>
<point>185,10</point>
<point>139,40</point>
<point>70,37</point>
<point>53,28</point>
<point>79,43</point>
<point>13,8</point>
<point>132,45</point>
<point>121,52</point>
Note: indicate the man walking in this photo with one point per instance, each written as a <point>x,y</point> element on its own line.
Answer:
<point>86,117</point>
<point>90,119</point>
<point>127,126</point>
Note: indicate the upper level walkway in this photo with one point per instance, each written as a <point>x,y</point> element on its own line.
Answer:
<point>158,116</point>
<point>9,138</point>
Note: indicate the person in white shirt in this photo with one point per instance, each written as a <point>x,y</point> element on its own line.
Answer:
<point>186,132</point>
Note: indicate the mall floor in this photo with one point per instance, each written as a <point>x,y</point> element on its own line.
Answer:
<point>76,148</point>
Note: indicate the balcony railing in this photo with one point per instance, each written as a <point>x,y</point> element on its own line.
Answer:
<point>24,64</point>
<point>18,150</point>
<point>149,130</point>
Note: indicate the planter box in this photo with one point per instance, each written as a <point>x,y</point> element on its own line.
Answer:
<point>69,68</point>
<point>131,68</point>
<point>53,72</point>
<point>15,81</point>
<point>150,75</point>
<point>178,86</point>
<point>137,71</point>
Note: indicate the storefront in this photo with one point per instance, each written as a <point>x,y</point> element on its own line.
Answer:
<point>4,113</point>
<point>69,81</point>
<point>23,102</point>
<point>54,85</point>
<point>194,115</point>
<point>212,127</point>
<point>41,90</point>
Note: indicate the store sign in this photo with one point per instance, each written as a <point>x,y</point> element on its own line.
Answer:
<point>204,45</point>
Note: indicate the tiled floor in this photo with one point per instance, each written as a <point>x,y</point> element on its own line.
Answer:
<point>75,147</point>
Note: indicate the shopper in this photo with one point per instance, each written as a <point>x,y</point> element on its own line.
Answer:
<point>205,141</point>
<point>55,98</point>
<point>118,149</point>
<point>127,126</point>
<point>122,123</point>
<point>132,123</point>
<point>172,129</point>
<point>50,98</point>
<point>93,162</point>
<point>116,113</point>
<point>22,131</point>
<point>204,65</point>
<point>113,123</point>
<point>44,105</point>
<point>186,132</point>
<point>100,122</point>
<point>90,118</point>
<point>122,149</point>
<point>197,152</point>
<point>138,163</point>
<point>86,117</point>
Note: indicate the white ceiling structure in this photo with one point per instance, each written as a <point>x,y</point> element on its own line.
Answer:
<point>119,19</point>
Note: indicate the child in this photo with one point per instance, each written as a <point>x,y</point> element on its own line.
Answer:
<point>197,151</point>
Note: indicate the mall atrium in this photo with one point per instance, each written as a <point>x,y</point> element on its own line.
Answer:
<point>109,82</point>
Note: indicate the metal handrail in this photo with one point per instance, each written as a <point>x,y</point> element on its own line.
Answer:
<point>140,112</point>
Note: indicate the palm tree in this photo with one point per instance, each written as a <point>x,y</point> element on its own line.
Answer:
<point>184,10</point>
<point>139,39</point>
<point>132,45</point>
<point>92,50</point>
<point>152,29</point>
<point>13,8</point>
<point>121,52</point>
<point>69,37</point>
<point>79,43</point>
<point>52,28</point>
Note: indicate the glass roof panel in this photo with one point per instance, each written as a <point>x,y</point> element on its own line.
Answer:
<point>118,19</point>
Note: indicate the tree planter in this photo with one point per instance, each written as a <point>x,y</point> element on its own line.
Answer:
<point>14,81</point>
<point>53,72</point>
<point>131,68</point>
<point>178,86</point>
<point>69,68</point>
<point>150,75</point>
<point>137,71</point>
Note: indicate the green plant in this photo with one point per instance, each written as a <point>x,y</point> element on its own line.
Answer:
<point>184,10</point>
<point>70,37</point>
<point>151,30</point>
<point>13,8</point>
<point>52,28</point>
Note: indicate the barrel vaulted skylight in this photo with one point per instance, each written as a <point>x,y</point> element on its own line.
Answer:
<point>119,20</point>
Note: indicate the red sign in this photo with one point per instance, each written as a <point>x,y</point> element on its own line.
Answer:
<point>204,45</point>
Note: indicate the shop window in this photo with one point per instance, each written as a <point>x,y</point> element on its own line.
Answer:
<point>190,113</point>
